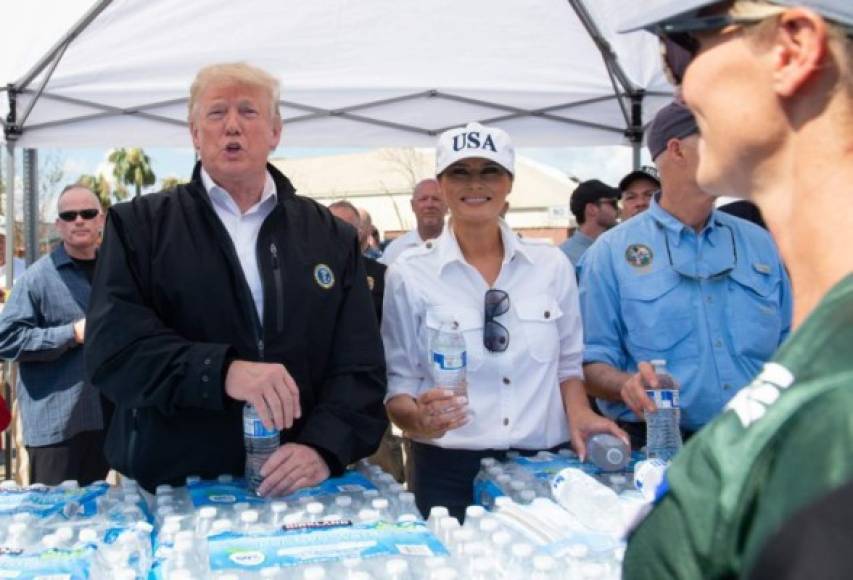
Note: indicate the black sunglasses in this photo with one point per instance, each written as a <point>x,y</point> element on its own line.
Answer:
<point>495,334</point>
<point>679,44</point>
<point>71,215</point>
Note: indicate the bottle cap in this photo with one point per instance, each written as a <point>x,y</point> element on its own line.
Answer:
<point>251,516</point>
<point>380,503</point>
<point>278,507</point>
<point>207,511</point>
<point>396,566</point>
<point>343,501</point>
<point>314,508</point>
<point>615,456</point>
<point>438,511</point>
<point>474,511</point>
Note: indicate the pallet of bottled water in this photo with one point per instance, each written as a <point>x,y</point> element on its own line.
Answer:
<point>360,525</point>
<point>70,532</point>
<point>524,478</point>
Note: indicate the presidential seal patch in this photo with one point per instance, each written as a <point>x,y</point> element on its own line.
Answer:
<point>323,276</point>
<point>639,255</point>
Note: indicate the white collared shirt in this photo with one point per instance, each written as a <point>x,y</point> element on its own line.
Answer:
<point>410,239</point>
<point>514,396</point>
<point>243,229</point>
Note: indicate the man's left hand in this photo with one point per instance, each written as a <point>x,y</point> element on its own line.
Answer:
<point>292,467</point>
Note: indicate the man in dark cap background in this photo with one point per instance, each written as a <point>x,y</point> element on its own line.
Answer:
<point>637,189</point>
<point>701,289</point>
<point>595,206</point>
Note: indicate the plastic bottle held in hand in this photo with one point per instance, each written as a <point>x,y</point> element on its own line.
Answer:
<point>260,443</point>
<point>449,359</point>
<point>663,435</point>
<point>608,452</point>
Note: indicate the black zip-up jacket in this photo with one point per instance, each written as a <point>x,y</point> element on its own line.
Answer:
<point>170,309</point>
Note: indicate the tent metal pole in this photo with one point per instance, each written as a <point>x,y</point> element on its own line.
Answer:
<point>635,131</point>
<point>611,61</point>
<point>31,204</point>
<point>43,84</point>
<point>10,211</point>
<point>60,45</point>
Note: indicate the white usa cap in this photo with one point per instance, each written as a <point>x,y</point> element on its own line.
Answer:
<point>474,140</point>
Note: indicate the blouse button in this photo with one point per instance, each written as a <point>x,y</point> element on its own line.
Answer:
<point>547,314</point>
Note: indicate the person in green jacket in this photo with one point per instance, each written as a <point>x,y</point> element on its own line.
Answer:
<point>771,85</point>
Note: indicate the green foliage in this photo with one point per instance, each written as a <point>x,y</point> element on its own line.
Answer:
<point>100,186</point>
<point>131,167</point>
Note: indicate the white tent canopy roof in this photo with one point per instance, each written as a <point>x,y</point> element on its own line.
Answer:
<point>376,73</point>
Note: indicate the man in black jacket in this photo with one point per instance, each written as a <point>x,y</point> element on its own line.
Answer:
<point>230,290</point>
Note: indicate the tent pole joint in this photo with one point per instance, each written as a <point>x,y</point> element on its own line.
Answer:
<point>12,130</point>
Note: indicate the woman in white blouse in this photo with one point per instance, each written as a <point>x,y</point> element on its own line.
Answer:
<point>516,303</point>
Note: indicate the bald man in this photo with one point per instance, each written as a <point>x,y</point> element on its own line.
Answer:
<point>43,327</point>
<point>429,208</point>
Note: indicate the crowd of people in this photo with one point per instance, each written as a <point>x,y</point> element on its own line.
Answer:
<point>232,289</point>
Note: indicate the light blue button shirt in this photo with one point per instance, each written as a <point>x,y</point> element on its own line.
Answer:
<point>715,305</point>
<point>575,246</point>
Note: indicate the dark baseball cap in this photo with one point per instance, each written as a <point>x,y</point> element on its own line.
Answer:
<point>644,172</point>
<point>674,121</point>
<point>590,192</point>
<point>655,13</point>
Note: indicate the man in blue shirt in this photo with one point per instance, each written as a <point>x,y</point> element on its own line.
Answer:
<point>595,206</point>
<point>699,288</point>
<point>43,327</point>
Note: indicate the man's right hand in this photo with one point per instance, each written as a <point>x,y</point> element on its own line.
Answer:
<point>80,331</point>
<point>634,390</point>
<point>269,388</point>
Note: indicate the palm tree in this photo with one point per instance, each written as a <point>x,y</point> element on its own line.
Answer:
<point>132,167</point>
<point>100,186</point>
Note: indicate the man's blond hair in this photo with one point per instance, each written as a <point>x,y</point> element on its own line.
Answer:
<point>235,73</point>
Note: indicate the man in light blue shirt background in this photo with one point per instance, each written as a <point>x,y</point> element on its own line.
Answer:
<point>703,290</point>
<point>595,206</point>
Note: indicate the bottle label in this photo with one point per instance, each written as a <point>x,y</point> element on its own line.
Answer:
<point>253,427</point>
<point>450,362</point>
<point>664,398</point>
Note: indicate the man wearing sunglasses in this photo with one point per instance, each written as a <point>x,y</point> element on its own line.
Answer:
<point>595,206</point>
<point>703,290</point>
<point>771,84</point>
<point>43,327</point>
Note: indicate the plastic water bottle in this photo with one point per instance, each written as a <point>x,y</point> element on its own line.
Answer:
<point>648,475</point>
<point>260,443</point>
<point>449,359</point>
<point>592,503</point>
<point>663,436</point>
<point>608,452</point>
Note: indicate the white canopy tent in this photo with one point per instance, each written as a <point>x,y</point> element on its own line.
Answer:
<point>354,73</point>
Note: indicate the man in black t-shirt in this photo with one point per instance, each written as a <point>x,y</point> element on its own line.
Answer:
<point>42,327</point>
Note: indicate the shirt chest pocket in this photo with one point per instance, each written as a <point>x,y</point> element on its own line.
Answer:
<point>467,320</point>
<point>539,316</point>
<point>658,317</point>
<point>753,309</point>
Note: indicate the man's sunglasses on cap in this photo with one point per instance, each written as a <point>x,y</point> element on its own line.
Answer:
<point>71,215</point>
<point>679,44</point>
